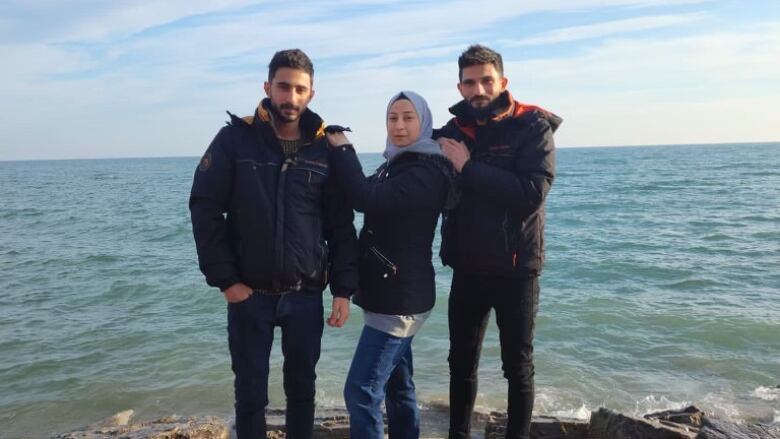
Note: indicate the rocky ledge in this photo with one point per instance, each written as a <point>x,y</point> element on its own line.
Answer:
<point>688,423</point>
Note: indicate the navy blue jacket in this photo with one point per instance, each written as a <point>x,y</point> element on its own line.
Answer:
<point>401,203</point>
<point>497,228</point>
<point>267,221</point>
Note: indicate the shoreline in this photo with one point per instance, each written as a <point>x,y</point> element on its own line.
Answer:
<point>687,423</point>
<point>433,414</point>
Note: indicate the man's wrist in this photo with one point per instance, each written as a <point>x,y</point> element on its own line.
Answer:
<point>228,285</point>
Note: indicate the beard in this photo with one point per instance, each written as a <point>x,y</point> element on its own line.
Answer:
<point>484,112</point>
<point>278,111</point>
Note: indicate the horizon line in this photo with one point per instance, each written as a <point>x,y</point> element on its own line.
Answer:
<point>767,142</point>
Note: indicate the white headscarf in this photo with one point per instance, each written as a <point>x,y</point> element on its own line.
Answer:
<point>423,144</point>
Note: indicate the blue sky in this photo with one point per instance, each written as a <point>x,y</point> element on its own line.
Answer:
<point>139,79</point>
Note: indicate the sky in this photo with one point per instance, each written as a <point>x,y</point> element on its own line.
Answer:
<point>100,79</point>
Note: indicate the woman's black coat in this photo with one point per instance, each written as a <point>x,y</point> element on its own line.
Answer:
<point>401,203</point>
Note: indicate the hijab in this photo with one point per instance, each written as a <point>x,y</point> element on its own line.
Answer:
<point>423,144</point>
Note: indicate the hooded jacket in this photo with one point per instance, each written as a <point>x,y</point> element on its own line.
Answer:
<point>497,228</point>
<point>271,222</point>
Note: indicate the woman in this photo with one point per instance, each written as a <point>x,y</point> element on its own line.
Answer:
<point>401,203</point>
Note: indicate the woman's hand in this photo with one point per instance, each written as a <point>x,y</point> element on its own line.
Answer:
<point>340,313</point>
<point>337,139</point>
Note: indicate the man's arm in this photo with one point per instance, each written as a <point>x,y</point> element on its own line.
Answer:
<point>449,130</point>
<point>524,188</point>
<point>209,200</point>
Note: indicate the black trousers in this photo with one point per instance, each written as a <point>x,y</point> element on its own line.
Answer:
<point>516,302</point>
<point>250,335</point>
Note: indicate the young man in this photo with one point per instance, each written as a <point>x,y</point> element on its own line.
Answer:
<point>504,153</point>
<point>270,229</point>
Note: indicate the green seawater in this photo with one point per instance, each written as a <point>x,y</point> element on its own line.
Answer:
<point>660,289</point>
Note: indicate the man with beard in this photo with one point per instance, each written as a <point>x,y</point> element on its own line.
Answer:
<point>271,230</point>
<point>503,152</point>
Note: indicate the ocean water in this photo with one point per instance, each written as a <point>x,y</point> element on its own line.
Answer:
<point>661,289</point>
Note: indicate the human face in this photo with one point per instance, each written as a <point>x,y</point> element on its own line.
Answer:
<point>403,124</point>
<point>290,92</point>
<point>481,84</point>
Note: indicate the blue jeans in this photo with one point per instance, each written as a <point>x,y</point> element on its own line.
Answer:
<point>382,370</point>
<point>250,335</point>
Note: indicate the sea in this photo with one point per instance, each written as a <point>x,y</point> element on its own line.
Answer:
<point>661,289</point>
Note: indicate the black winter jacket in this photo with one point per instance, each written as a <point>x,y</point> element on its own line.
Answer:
<point>497,227</point>
<point>267,221</point>
<point>401,202</point>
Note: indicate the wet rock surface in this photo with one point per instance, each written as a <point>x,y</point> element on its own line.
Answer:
<point>717,429</point>
<point>687,423</point>
<point>606,423</point>
<point>171,427</point>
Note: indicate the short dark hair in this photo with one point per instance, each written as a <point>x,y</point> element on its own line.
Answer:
<point>476,55</point>
<point>290,58</point>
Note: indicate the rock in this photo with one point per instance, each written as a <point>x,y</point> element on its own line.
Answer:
<point>173,427</point>
<point>689,416</point>
<point>495,425</point>
<point>118,420</point>
<point>717,429</point>
<point>334,424</point>
<point>546,427</point>
<point>542,427</point>
<point>332,427</point>
<point>328,427</point>
<point>606,424</point>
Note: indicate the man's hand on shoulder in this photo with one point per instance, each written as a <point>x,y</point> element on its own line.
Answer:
<point>237,293</point>
<point>456,152</point>
<point>340,313</point>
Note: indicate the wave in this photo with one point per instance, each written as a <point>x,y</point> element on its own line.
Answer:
<point>718,237</point>
<point>767,393</point>
<point>21,213</point>
<point>693,284</point>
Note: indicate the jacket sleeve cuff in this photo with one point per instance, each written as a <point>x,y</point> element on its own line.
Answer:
<point>343,293</point>
<point>227,283</point>
<point>469,171</point>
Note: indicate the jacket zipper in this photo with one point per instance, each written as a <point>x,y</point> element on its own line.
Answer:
<point>388,264</point>
<point>278,267</point>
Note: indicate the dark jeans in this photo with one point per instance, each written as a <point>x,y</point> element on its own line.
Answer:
<point>250,335</point>
<point>382,371</point>
<point>515,301</point>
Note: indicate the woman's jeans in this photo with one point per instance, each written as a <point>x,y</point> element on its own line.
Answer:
<point>382,371</point>
<point>515,301</point>
<point>250,334</point>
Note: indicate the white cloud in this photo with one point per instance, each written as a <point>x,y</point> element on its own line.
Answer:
<point>606,29</point>
<point>714,88</point>
<point>98,20</point>
<point>163,92</point>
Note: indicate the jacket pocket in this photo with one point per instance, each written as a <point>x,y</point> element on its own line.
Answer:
<point>306,182</point>
<point>512,233</point>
